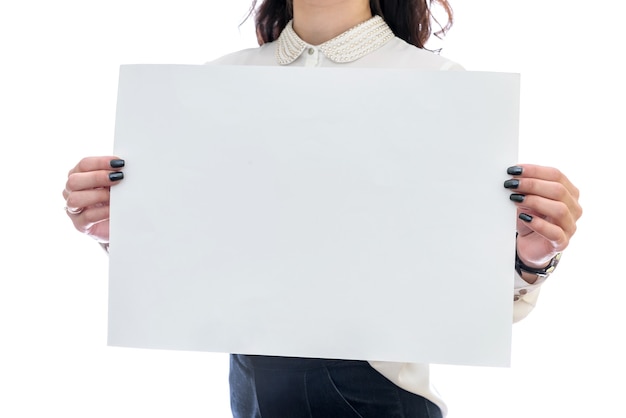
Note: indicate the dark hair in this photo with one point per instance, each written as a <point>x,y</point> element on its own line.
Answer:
<point>410,20</point>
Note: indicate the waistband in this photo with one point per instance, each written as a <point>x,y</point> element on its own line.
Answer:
<point>290,363</point>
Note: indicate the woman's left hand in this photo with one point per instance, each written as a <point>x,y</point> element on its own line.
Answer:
<point>547,209</point>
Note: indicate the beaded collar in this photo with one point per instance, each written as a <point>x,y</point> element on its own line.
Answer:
<point>351,45</point>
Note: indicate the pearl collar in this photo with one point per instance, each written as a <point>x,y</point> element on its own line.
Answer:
<point>351,45</point>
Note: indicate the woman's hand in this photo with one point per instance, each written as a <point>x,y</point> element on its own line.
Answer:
<point>547,209</point>
<point>87,194</point>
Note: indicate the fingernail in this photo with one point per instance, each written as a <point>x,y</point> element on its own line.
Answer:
<point>511,184</point>
<point>525,217</point>
<point>117,163</point>
<point>116,176</point>
<point>516,197</point>
<point>516,170</point>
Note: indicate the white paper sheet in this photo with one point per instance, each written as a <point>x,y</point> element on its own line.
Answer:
<point>338,213</point>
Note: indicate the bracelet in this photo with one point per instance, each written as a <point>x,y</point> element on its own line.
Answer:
<point>543,272</point>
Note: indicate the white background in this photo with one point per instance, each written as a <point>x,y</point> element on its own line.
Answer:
<point>59,66</point>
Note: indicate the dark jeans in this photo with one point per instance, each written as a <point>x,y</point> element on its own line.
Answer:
<point>282,387</point>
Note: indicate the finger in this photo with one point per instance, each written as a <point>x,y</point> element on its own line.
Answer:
<point>553,211</point>
<point>545,189</point>
<point>89,217</point>
<point>97,163</point>
<point>546,229</point>
<point>92,179</point>
<point>548,174</point>
<point>88,198</point>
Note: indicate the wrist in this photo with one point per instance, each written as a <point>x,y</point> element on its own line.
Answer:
<point>532,272</point>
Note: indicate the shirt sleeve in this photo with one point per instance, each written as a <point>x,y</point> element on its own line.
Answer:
<point>525,297</point>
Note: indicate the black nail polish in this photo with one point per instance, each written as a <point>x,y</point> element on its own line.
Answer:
<point>116,176</point>
<point>516,170</point>
<point>117,163</point>
<point>525,217</point>
<point>516,197</point>
<point>511,184</point>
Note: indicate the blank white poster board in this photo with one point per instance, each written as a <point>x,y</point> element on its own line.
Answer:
<point>337,213</point>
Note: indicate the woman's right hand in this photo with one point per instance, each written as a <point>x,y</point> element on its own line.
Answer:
<point>87,194</point>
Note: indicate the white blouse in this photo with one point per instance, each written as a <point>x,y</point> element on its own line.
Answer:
<point>371,44</point>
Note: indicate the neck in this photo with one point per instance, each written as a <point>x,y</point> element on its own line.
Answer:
<point>317,21</point>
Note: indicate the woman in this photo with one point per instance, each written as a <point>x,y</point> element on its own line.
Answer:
<point>356,33</point>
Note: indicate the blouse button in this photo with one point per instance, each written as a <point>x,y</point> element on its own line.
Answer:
<point>311,51</point>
